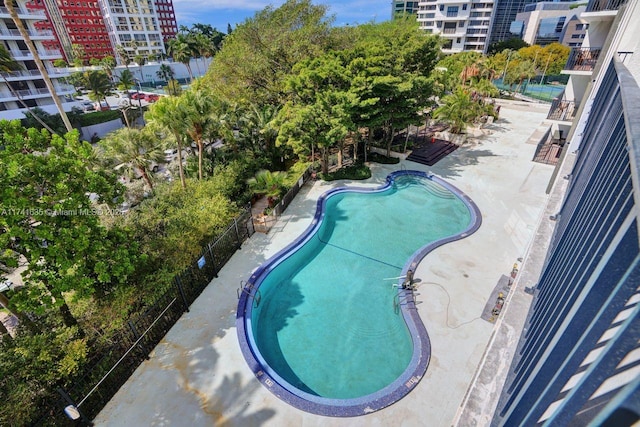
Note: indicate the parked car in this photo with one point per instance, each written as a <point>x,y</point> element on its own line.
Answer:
<point>102,106</point>
<point>170,154</point>
<point>88,106</point>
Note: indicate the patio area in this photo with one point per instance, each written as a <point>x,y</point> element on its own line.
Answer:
<point>197,375</point>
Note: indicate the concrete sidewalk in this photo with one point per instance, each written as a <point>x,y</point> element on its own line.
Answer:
<point>197,376</point>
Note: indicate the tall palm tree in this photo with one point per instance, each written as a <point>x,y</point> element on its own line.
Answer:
<point>123,55</point>
<point>133,150</point>
<point>166,112</point>
<point>196,108</point>
<point>99,85</point>
<point>108,63</point>
<point>36,58</point>
<point>205,118</point>
<point>7,65</point>
<point>206,47</point>
<point>126,81</point>
<point>165,72</point>
<point>181,51</point>
<point>173,88</point>
<point>141,60</point>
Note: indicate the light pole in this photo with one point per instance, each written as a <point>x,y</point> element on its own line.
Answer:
<point>535,61</point>
<point>506,66</point>
<point>138,89</point>
<point>545,69</point>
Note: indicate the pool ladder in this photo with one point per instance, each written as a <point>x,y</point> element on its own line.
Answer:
<point>403,298</point>
<point>246,288</point>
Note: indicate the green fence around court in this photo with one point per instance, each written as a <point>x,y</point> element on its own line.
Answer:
<point>551,88</point>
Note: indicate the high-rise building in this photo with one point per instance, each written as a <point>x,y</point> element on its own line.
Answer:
<point>166,19</point>
<point>548,22</point>
<point>26,86</point>
<point>575,356</point>
<point>77,23</point>
<point>504,13</point>
<point>403,7</point>
<point>463,24</point>
<point>135,25</point>
<point>142,27</point>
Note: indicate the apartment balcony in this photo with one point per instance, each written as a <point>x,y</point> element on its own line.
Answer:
<point>21,55</point>
<point>34,74</point>
<point>604,5</point>
<point>37,14</point>
<point>7,95</point>
<point>582,59</point>
<point>453,31</point>
<point>7,34</point>
<point>562,110</point>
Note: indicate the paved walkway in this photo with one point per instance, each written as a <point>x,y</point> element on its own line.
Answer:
<point>197,376</point>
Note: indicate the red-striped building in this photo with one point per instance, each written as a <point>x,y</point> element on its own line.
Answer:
<point>84,23</point>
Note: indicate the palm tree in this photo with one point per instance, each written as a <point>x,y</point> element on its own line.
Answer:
<point>166,112</point>
<point>123,55</point>
<point>267,183</point>
<point>173,88</point>
<point>203,116</point>
<point>458,110</point>
<point>133,150</point>
<point>258,127</point>
<point>126,81</point>
<point>99,85</point>
<point>205,47</point>
<point>181,51</point>
<point>36,57</point>
<point>165,72</point>
<point>141,60</point>
<point>108,63</point>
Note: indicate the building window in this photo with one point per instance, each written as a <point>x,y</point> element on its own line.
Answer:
<point>452,11</point>
<point>464,6</point>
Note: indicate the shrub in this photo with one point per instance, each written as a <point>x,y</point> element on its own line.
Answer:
<point>379,158</point>
<point>357,172</point>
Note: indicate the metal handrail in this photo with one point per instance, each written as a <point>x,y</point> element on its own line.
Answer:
<point>247,288</point>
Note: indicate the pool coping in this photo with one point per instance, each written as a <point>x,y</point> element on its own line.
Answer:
<point>417,367</point>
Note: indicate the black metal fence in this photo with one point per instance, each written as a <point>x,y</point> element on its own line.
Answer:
<point>293,191</point>
<point>131,345</point>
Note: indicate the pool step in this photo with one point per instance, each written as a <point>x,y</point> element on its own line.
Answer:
<point>431,187</point>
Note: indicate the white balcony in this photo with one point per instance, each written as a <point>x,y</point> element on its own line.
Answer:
<point>7,34</point>
<point>21,55</point>
<point>7,95</point>
<point>37,14</point>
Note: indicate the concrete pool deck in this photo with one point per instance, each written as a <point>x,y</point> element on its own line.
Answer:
<point>197,375</point>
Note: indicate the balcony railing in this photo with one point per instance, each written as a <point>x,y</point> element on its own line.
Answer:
<point>601,5</point>
<point>32,33</point>
<point>582,59</point>
<point>20,11</point>
<point>562,110</point>
<point>22,54</point>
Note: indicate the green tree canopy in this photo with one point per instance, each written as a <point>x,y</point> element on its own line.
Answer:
<point>258,55</point>
<point>45,184</point>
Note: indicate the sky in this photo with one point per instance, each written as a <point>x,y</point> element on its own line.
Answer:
<point>219,13</point>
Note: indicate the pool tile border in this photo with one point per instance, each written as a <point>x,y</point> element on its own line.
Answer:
<point>422,344</point>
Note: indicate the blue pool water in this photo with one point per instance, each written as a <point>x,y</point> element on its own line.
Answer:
<point>325,326</point>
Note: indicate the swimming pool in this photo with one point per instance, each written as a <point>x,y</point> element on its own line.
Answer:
<point>321,325</point>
